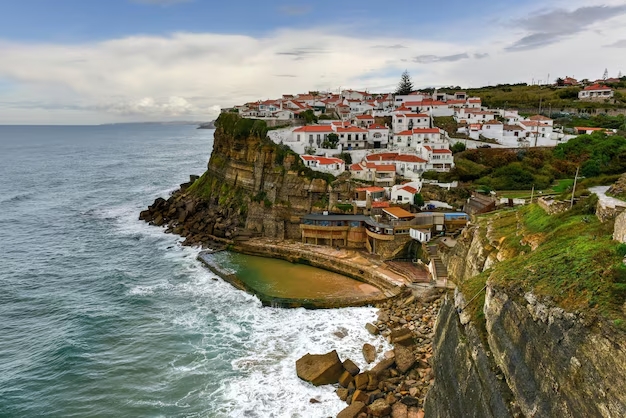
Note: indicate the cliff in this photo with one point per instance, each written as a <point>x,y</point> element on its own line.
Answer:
<point>251,187</point>
<point>536,329</point>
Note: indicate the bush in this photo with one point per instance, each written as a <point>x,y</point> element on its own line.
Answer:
<point>458,147</point>
<point>621,249</point>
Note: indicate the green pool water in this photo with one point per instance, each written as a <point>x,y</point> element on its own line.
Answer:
<point>282,279</point>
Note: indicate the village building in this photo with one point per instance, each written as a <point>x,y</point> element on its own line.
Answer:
<point>334,166</point>
<point>312,135</point>
<point>352,137</point>
<point>378,136</point>
<point>596,92</point>
<point>404,193</point>
<point>409,166</point>
<point>404,120</point>
<point>364,121</point>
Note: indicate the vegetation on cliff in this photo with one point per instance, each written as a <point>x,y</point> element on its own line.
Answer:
<point>506,169</point>
<point>570,257</point>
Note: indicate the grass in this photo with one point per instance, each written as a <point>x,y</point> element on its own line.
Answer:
<point>577,264</point>
<point>559,187</point>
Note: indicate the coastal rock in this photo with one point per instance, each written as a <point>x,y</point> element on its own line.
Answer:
<point>382,366</point>
<point>372,329</point>
<point>351,367</point>
<point>360,396</point>
<point>345,379</point>
<point>379,408</point>
<point>404,358</point>
<point>399,410</point>
<point>320,369</point>
<point>361,381</point>
<point>342,393</point>
<point>353,410</point>
<point>369,353</point>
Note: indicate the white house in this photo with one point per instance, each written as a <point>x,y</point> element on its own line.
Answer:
<point>352,137</point>
<point>405,120</point>
<point>403,193</point>
<point>378,136</point>
<point>334,166</point>
<point>285,114</point>
<point>535,129</point>
<point>417,136</point>
<point>493,129</point>
<point>364,121</point>
<point>595,92</point>
<point>421,235</point>
<point>312,135</point>
<point>542,119</point>
<point>355,95</point>
<point>410,166</point>
<point>439,159</point>
<point>416,96</point>
<point>469,115</point>
<point>432,107</point>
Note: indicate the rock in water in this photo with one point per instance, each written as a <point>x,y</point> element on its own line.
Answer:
<point>371,328</point>
<point>404,358</point>
<point>379,408</point>
<point>351,367</point>
<point>320,369</point>
<point>369,353</point>
<point>352,411</point>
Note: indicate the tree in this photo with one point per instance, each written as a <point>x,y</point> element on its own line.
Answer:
<point>333,140</point>
<point>309,116</point>
<point>458,147</point>
<point>405,86</point>
<point>560,82</point>
<point>418,200</point>
<point>606,74</point>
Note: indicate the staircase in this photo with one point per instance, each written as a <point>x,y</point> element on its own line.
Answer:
<point>440,272</point>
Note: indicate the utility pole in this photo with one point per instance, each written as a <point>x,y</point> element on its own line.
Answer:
<point>571,205</point>
<point>532,194</point>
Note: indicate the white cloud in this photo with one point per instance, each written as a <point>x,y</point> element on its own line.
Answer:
<point>189,76</point>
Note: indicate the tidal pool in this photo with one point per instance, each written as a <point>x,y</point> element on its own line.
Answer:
<point>281,279</point>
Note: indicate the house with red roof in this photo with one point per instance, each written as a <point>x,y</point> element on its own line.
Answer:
<point>364,121</point>
<point>378,136</point>
<point>405,193</point>
<point>352,137</point>
<point>311,135</point>
<point>334,166</point>
<point>410,166</point>
<point>405,120</point>
<point>596,92</point>
<point>472,115</point>
<point>439,159</point>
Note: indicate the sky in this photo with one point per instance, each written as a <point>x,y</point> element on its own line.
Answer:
<point>92,62</point>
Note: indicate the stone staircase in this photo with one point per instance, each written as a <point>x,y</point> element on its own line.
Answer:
<point>440,271</point>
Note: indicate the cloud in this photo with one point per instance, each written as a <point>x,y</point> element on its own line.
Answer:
<point>396,46</point>
<point>618,44</point>
<point>480,56</point>
<point>429,59</point>
<point>555,25</point>
<point>295,9</point>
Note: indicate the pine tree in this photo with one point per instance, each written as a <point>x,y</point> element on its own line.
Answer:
<point>606,74</point>
<point>405,86</point>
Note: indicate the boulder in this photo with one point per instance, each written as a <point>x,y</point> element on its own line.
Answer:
<point>352,411</point>
<point>360,396</point>
<point>345,379</point>
<point>371,328</point>
<point>320,369</point>
<point>415,413</point>
<point>351,367</point>
<point>399,410</point>
<point>382,366</point>
<point>410,401</point>
<point>372,381</point>
<point>361,381</point>
<point>369,353</point>
<point>342,393</point>
<point>404,358</point>
<point>379,408</point>
<point>402,336</point>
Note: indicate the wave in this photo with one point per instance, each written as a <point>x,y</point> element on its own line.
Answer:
<point>18,198</point>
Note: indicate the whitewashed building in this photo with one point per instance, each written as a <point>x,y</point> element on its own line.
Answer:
<point>406,120</point>
<point>378,136</point>
<point>596,92</point>
<point>334,166</point>
<point>404,193</point>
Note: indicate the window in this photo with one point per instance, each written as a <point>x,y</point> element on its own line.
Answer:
<point>318,137</point>
<point>298,138</point>
<point>349,137</point>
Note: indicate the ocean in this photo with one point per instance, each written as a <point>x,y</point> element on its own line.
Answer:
<point>102,315</point>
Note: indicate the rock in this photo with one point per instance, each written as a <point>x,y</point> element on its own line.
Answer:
<point>413,391</point>
<point>410,401</point>
<point>371,328</point>
<point>399,410</point>
<point>351,367</point>
<point>345,379</point>
<point>145,215</point>
<point>402,336</point>
<point>313,400</point>
<point>379,408</point>
<point>372,381</point>
<point>342,393</point>
<point>382,366</point>
<point>404,358</point>
<point>360,396</point>
<point>415,413</point>
<point>390,398</point>
<point>361,381</point>
<point>320,369</point>
<point>352,411</point>
<point>389,354</point>
<point>369,353</point>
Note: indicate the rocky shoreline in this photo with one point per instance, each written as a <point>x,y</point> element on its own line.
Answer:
<point>396,386</point>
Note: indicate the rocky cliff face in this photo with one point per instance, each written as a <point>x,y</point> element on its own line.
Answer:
<point>528,357</point>
<point>251,187</point>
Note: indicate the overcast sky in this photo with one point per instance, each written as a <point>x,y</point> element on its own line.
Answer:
<point>84,62</point>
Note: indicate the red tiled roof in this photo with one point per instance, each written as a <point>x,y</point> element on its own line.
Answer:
<point>455,102</point>
<point>409,189</point>
<point>539,117</point>
<point>365,117</point>
<point>474,100</point>
<point>371,189</point>
<point>596,87</point>
<point>533,123</point>
<point>410,158</point>
<point>385,168</point>
<point>380,204</point>
<point>314,128</point>
<point>351,129</point>
<point>416,115</point>
<point>383,156</point>
<point>399,213</point>
<point>442,151</point>
<point>376,126</point>
<point>426,131</point>
<point>513,128</point>
<point>356,167</point>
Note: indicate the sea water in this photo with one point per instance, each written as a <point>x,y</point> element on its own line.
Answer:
<point>103,315</point>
